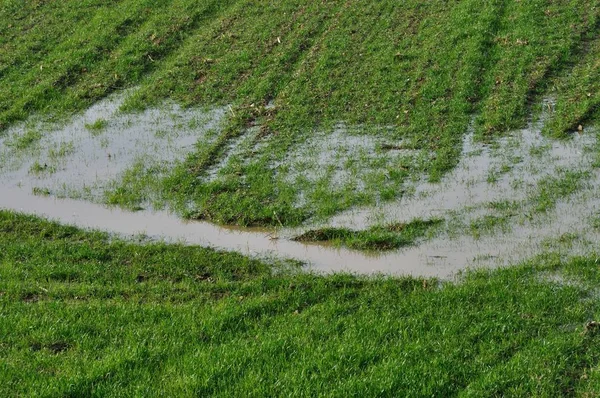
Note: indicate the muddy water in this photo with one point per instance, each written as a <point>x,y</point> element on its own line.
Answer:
<point>434,261</point>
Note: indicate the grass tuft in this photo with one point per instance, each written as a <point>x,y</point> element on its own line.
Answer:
<point>387,237</point>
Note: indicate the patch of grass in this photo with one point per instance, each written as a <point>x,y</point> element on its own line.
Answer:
<point>86,314</point>
<point>503,205</point>
<point>579,91</point>
<point>39,168</point>
<point>161,134</point>
<point>41,191</point>
<point>24,141</point>
<point>596,222</point>
<point>552,189</point>
<point>489,224</point>
<point>97,126</point>
<point>538,151</point>
<point>139,186</point>
<point>495,175</point>
<point>549,191</point>
<point>376,238</point>
<point>63,150</point>
<point>566,240</point>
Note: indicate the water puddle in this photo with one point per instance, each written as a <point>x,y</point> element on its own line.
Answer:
<point>83,157</point>
<point>510,169</point>
<point>162,225</point>
<point>238,148</point>
<point>345,157</point>
<point>438,258</point>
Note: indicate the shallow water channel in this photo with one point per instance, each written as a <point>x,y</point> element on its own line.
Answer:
<point>261,243</point>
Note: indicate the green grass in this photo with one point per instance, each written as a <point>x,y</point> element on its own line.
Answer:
<point>39,168</point>
<point>489,224</point>
<point>422,68</point>
<point>554,188</point>
<point>64,149</point>
<point>41,191</point>
<point>137,187</point>
<point>97,126</point>
<point>386,237</point>
<point>86,314</point>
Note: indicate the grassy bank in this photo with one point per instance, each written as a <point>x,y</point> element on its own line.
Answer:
<point>420,68</point>
<point>85,314</point>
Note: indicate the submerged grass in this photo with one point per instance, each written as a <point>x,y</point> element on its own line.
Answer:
<point>547,194</point>
<point>561,186</point>
<point>85,314</point>
<point>25,140</point>
<point>96,126</point>
<point>421,68</point>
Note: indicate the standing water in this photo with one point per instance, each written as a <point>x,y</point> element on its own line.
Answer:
<point>512,170</point>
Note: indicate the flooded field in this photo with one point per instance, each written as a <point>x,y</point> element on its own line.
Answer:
<point>345,157</point>
<point>510,168</point>
<point>86,156</point>
<point>506,201</point>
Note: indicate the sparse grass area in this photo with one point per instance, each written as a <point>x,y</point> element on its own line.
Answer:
<point>64,149</point>
<point>421,68</point>
<point>504,214</point>
<point>86,314</point>
<point>596,222</point>
<point>24,141</point>
<point>40,168</point>
<point>40,191</point>
<point>137,187</point>
<point>494,175</point>
<point>566,240</point>
<point>489,224</point>
<point>561,186</point>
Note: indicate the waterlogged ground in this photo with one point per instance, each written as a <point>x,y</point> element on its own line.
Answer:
<point>87,156</point>
<point>347,159</point>
<point>508,199</point>
<point>323,171</point>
